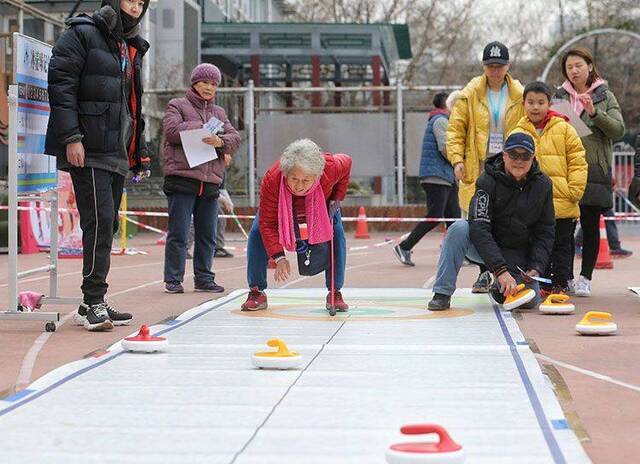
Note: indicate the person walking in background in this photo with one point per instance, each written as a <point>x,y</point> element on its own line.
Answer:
<point>560,155</point>
<point>194,191</point>
<point>436,176</point>
<point>613,238</point>
<point>486,111</point>
<point>95,130</point>
<point>598,108</point>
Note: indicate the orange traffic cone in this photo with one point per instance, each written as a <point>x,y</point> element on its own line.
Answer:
<point>604,258</point>
<point>362,229</point>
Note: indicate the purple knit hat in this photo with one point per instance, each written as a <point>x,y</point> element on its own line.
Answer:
<point>205,72</point>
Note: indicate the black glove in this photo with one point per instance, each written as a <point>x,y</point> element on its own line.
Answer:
<point>634,191</point>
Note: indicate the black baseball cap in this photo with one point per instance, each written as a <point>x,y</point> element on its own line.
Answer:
<point>495,53</point>
<point>520,140</point>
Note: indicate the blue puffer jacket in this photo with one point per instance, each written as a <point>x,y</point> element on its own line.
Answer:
<point>432,162</point>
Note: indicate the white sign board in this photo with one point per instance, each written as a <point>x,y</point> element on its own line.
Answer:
<point>36,171</point>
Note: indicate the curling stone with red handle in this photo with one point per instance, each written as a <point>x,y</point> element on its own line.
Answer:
<point>280,359</point>
<point>444,451</point>
<point>144,342</point>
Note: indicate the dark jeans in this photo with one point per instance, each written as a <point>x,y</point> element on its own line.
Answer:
<point>98,194</point>
<point>257,259</point>
<point>613,238</point>
<point>442,201</point>
<point>205,217</point>
<point>590,223</point>
<point>560,268</point>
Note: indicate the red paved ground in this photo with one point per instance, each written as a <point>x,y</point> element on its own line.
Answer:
<point>606,415</point>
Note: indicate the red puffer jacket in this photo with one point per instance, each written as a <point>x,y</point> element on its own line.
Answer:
<point>334,182</point>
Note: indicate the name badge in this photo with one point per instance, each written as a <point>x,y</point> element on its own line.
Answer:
<point>496,142</point>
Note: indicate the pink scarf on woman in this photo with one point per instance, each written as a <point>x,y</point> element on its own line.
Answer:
<point>574,96</point>
<point>318,223</point>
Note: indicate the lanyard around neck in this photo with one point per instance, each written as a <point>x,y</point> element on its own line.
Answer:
<point>495,109</point>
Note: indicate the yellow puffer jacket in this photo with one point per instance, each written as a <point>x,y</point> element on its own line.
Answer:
<point>561,156</point>
<point>468,130</point>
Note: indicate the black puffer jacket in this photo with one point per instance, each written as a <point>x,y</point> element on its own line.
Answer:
<point>512,223</point>
<point>88,95</point>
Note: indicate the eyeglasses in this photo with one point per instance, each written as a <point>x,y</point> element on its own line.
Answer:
<point>519,155</point>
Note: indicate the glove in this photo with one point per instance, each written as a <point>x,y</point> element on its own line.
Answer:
<point>634,191</point>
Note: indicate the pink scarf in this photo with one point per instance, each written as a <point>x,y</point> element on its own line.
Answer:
<point>574,96</point>
<point>318,223</point>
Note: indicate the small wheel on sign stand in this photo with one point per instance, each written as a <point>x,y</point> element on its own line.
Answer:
<point>50,327</point>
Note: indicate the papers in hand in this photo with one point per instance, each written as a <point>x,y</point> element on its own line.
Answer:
<point>214,125</point>
<point>563,106</point>
<point>196,151</point>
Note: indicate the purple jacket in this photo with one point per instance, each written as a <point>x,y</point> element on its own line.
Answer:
<point>187,113</point>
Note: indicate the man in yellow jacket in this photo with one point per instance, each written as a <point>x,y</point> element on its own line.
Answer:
<point>561,156</point>
<point>487,110</point>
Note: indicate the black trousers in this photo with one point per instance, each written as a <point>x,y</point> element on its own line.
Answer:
<point>442,201</point>
<point>98,194</point>
<point>590,223</point>
<point>560,268</point>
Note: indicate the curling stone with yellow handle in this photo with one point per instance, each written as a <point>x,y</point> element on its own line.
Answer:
<point>522,295</point>
<point>280,359</point>
<point>557,303</point>
<point>597,323</point>
<point>444,451</point>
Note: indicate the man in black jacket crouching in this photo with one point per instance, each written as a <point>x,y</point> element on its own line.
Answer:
<point>511,225</point>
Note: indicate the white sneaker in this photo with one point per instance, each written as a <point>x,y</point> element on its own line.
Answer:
<point>571,287</point>
<point>582,286</point>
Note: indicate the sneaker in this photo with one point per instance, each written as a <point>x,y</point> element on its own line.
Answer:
<point>582,286</point>
<point>439,302</point>
<point>222,253</point>
<point>256,300</point>
<point>80,317</point>
<point>404,256</point>
<point>97,317</point>
<point>620,252</point>
<point>571,287</point>
<point>173,287</point>
<point>338,303</point>
<point>117,317</point>
<point>483,283</point>
<point>210,287</point>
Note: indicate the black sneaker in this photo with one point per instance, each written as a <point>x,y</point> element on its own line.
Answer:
<point>620,252</point>
<point>439,302</point>
<point>117,317</point>
<point>210,287</point>
<point>97,318</point>
<point>80,318</point>
<point>173,287</point>
<point>404,256</point>
<point>222,253</point>
<point>483,283</point>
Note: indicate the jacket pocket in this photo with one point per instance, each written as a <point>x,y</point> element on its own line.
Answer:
<point>93,117</point>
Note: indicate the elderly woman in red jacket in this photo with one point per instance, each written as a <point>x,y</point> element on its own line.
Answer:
<point>305,186</point>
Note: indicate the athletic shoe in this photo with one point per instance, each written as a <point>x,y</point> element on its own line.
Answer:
<point>222,253</point>
<point>482,285</point>
<point>173,287</point>
<point>439,302</point>
<point>582,286</point>
<point>404,256</point>
<point>117,317</point>
<point>97,318</point>
<point>620,252</point>
<point>338,303</point>
<point>571,287</point>
<point>256,300</point>
<point>210,287</point>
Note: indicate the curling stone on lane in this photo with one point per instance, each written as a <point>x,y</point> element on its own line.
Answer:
<point>521,296</point>
<point>444,451</point>
<point>280,359</point>
<point>144,342</point>
<point>597,323</point>
<point>557,303</point>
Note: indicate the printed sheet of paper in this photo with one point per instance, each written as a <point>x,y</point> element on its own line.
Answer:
<point>563,106</point>
<point>195,149</point>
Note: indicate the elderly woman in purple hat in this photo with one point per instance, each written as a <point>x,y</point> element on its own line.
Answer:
<point>194,190</point>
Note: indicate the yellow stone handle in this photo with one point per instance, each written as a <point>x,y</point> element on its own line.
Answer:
<point>556,298</point>
<point>597,315</point>
<point>519,288</point>
<point>283,349</point>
